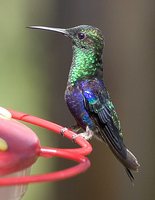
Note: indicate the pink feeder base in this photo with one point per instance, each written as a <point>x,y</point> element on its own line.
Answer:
<point>20,147</point>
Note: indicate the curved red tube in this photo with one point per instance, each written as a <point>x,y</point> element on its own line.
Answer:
<point>76,154</point>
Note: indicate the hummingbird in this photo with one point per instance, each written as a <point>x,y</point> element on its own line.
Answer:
<point>86,95</point>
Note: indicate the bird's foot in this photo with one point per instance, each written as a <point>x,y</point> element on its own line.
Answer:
<point>87,135</point>
<point>75,128</point>
<point>63,131</point>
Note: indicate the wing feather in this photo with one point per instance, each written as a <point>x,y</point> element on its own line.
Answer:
<point>101,108</point>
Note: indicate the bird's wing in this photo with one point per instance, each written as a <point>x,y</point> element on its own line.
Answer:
<point>101,108</point>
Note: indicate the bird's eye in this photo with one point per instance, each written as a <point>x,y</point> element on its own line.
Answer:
<point>81,36</point>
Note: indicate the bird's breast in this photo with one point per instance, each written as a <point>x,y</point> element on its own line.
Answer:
<point>75,102</point>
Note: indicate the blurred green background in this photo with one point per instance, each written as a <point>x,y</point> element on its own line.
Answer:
<point>34,66</point>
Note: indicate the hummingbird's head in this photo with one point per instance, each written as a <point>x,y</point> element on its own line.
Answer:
<point>86,37</point>
<point>83,36</point>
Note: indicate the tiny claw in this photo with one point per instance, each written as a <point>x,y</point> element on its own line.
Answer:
<point>86,135</point>
<point>63,131</point>
<point>76,128</point>
<point>74,137</point>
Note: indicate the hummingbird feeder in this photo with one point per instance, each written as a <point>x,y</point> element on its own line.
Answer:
<point>20,148</point>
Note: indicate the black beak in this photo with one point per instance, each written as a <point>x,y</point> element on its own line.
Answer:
<point>59,30</point>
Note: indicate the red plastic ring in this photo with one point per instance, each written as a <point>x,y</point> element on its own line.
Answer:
<point>77,154</point>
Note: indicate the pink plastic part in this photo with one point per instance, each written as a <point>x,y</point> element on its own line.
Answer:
<point>76,154</point>
<point>22,146</point>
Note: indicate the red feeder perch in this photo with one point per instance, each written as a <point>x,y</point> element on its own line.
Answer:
<point>20,148</point>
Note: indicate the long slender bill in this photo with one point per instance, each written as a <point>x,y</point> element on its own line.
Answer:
<point>59,30</point>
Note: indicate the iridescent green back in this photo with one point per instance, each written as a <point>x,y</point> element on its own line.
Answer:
<point>114,116</point>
